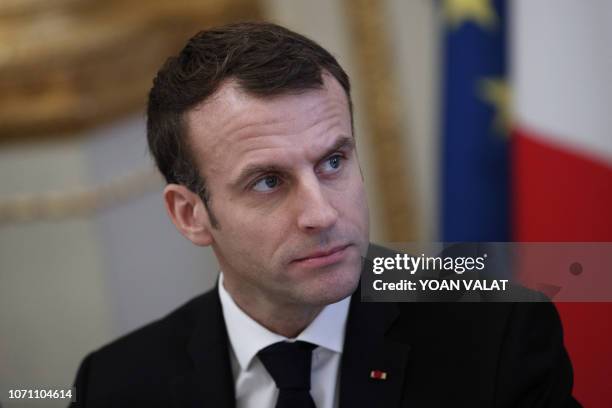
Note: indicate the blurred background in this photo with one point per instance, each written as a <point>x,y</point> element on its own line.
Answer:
<point>476,120</point>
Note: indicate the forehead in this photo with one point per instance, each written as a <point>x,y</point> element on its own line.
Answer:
<point>233,125</point>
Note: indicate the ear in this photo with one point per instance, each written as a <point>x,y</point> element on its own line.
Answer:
<point>188,213</point>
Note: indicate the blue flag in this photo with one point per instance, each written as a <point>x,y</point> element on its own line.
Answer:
<point>475,164</point>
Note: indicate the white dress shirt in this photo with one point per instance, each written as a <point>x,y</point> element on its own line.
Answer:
<point>253,386</point>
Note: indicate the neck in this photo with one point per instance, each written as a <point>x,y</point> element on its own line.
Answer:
<point>288,319</point>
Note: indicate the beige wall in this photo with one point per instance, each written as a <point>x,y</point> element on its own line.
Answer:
<point>414,30</point>
<point>53,296</point>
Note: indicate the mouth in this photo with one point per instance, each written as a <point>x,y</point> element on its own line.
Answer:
<point>325,257</point>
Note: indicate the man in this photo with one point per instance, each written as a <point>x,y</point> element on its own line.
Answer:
<point>251,125</point>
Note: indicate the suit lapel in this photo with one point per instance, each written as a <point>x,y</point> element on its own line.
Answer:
<point>210,383</point>
<point>367,348</point>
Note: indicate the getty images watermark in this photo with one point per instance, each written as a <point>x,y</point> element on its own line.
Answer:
<point>488,271</point>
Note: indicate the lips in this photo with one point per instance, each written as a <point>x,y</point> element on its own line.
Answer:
<point>324,257</point>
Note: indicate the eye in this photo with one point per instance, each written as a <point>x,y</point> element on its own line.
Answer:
<point>266,183</point>
<point>332,164</point>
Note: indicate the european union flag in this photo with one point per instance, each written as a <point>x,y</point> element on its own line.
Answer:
<point>475,164</point>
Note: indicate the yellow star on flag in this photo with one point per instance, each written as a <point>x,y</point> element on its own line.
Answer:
<point>497,92</point>
<point>481,12</point>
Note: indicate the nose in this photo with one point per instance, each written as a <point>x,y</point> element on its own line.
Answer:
<point>316,212</point>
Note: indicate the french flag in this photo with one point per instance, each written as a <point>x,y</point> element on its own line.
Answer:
<point>561,155</point>
<point>562,143</point>
<point>546,67</point>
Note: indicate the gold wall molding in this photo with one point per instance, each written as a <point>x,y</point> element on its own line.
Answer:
<point>66,65</point>
<point>61,205</point>
<point>373,53</point>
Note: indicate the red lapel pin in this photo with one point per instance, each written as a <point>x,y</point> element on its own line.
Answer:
<point>378,375</point>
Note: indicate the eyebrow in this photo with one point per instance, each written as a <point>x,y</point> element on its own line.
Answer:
<point>343,142</point>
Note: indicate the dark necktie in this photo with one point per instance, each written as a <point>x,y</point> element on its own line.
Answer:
<point>289,365</point>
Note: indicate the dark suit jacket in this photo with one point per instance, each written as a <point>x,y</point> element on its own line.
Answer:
<point>434,354</point>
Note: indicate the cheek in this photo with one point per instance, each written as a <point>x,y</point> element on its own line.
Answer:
<point>252,232</point>
<point>354,202</point>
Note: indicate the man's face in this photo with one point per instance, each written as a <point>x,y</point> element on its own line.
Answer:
<point>287,192</point>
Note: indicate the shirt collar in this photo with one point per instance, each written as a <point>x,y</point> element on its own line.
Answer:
<point>247,337</point>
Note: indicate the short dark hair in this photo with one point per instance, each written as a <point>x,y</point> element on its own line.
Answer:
<point>264,59</point>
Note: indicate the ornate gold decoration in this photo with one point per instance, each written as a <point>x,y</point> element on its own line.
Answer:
<point>383,117</point>
<point>69,64</point>
<point>58,205</point>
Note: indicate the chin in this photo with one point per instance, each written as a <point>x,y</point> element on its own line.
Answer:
<point>334,287</point>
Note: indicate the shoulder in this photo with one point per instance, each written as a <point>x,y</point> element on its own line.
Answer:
<point>487,321</point>
<point>161,336</point>
<point>514,352</point>
<point>149,357</point>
